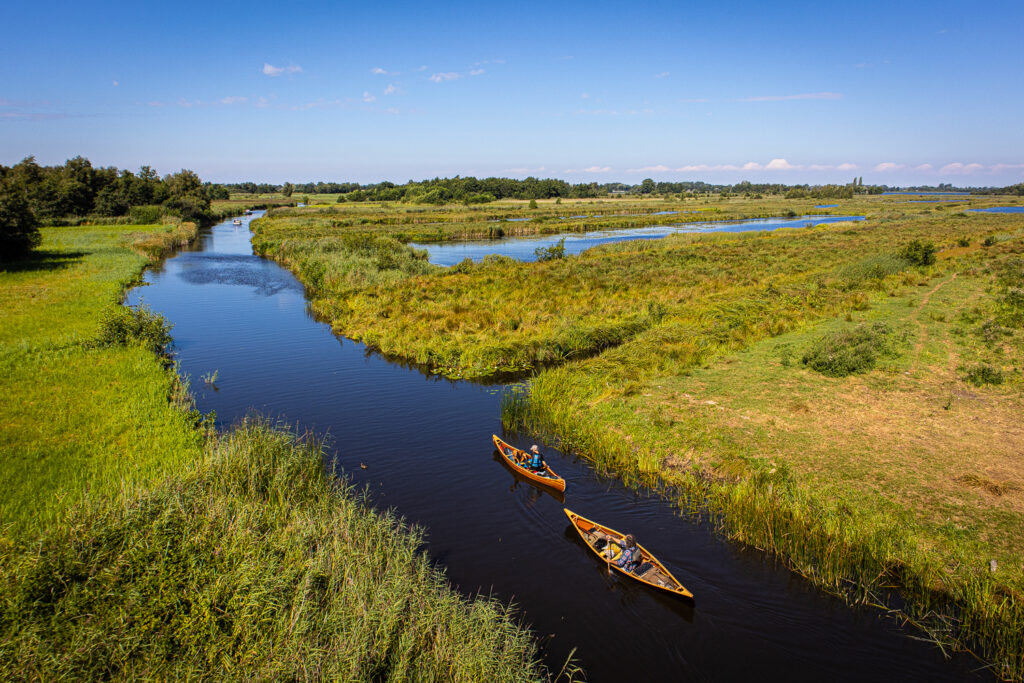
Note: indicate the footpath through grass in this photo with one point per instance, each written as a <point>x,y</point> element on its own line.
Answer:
<point>135,545</point>
<point>679,362</point>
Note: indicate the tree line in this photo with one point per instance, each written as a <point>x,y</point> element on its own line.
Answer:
<point>32,195</point>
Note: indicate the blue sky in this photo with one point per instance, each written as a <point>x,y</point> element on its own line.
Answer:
<point>897,93</point>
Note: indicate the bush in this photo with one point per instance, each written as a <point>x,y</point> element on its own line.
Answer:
<point>849,351</point>
<point>145,215</point>
<point>983,373</point>
<point>555,251</point>
<point>533,203</point>
<point>124,325</point>
<point>990,241</point>
<point>918,253</point>
<point>19,227</point>
<point>963,242</point>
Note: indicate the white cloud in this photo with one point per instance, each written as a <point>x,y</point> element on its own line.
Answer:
<point>523,170</point>
<point>391,89</point>
<point>379,71</point>
<point>445,76</point>
<point>475,72</point>
<point>999,168</point>
<point>234,99</point>
<point>780,165</point>
<point>846,167</point>
<point>271,70</point>
<point>392,110</point>
<point>924,167</point>
<point>802,96</point>
<point>957,167</point>
<point>367,97</point>
<point>705,167</point>
<point>888,166</point>
<point>662,74</point>
<point>660,168</point>
<point>751,166</point>
<point>590,169</point>
<point>262,102</point>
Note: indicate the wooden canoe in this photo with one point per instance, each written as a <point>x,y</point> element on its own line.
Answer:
<point>600,538</point>
<point>517,460</point>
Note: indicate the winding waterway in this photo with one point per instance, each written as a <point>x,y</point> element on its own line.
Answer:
<point>426,447</point>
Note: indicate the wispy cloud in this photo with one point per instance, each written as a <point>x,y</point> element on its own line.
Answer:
<point>367,97</point>
<point>887,166</point>
<point>924,167</point>
<point>382,72</point>
<point>445,76</point>
<point>391,89</point>
<point>234,99</point>
<point>271,70</point>
<point>523,170</point>
<point>660,168</point>
<point>475,72</point>
<point>959,168</point>
<point>802,96</point>
<point>663,74</point>
<point>590,169</point>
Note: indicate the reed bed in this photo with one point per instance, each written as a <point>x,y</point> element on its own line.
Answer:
<point>250,562</point>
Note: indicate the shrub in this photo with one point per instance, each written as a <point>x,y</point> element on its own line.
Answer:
<point>123,325</point>
<point>19,228</point>
<point>849,351</point>
<point>983,373</point>
<point>918,253</point>
<point>555,251</point>
<point>963,242</point>
<point>145,215</point>
<point>990,241</point>
<point>533,203</point>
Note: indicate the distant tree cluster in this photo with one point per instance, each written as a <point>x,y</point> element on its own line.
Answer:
<point>31,195</point>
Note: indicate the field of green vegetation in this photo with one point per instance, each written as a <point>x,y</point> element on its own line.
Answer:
<point>136,543</point>
<point>835,395</point>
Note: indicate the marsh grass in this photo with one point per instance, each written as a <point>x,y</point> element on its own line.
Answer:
<point>249,562</point>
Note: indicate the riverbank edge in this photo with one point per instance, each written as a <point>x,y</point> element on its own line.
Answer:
<point>858,559</point>
<point>21,556</point>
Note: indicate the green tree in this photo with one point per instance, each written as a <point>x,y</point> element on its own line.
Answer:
<point>186,195</point>
<point>647,186</point>
<point>19,228</point>
<point>287,189</point>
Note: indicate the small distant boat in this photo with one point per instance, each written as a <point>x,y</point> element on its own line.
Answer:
<point>607,544</point>
<point>518,460</point>
<point>237,221</point>
<point>248,212</point>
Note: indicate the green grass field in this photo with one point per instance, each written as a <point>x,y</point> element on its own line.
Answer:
<point>80,421</point>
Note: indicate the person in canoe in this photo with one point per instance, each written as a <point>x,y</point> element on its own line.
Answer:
<point>536,461</point>
<point>630,557</point>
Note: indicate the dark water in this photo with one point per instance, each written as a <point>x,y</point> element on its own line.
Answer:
<point>523,248</point>
<point>1001,209</point>
<point>427,449</point>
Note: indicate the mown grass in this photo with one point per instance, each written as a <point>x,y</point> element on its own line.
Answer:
<point>82,420</point>
<point>134,544</point>
<point>251,562</point>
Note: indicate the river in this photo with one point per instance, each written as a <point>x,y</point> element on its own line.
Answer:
<point>426,447</point>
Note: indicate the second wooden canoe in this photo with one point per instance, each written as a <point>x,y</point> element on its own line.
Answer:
<point>604,540</point>
<point>518,459</point>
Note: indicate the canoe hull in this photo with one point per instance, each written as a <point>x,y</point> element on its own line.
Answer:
<point>657,576</point>
<point>517,459</point>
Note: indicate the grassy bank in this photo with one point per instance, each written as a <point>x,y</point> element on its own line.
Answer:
<point>681,363</point>
<point>81,419</point>
<point>250,562</point>
<point>133,544</point>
